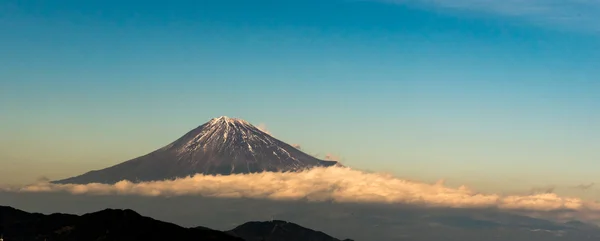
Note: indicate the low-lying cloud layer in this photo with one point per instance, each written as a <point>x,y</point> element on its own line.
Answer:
<point>334,184</point>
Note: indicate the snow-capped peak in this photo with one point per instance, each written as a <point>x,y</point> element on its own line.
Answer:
<point>224,132</point>
<point>228,120</point>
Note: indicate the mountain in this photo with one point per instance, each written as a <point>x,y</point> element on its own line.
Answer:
<point>106,225</point>
<point>127,225</point>
<point>278,230</point>
<point>221,146</point>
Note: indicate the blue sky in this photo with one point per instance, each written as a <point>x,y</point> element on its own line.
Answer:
<point>499,93</point>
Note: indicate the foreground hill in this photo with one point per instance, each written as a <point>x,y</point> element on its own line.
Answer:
<point>106,225</point>
<point>127,225</point>
<point>221,146</point>
<point>278,230</point>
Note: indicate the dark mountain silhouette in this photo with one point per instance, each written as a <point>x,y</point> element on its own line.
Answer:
<point>127,225</point>
<point>277,230</point>
<point>106,225</point>
<point>221,146</point>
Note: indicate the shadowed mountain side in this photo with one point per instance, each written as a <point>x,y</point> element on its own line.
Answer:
<point>222,146</point>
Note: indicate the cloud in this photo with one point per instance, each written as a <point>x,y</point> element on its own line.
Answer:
<point>43,179</point>
<point>542,190</point>
<point>263,127</point>
<point>334,184</point>
<point>572,14</point>
<point>585,186</point>
<point>331,157</point>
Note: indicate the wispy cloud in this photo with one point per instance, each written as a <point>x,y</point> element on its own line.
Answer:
<point>330,184</point>
<point>542,190</point>
<point>263,127</point>
<point>331,157</point>
<point>571,14</point>
<point>585,186</point>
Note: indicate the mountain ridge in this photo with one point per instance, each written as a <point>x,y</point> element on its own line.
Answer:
<point>221,146</point>
<point>120,225</point>
<point>278,230</point>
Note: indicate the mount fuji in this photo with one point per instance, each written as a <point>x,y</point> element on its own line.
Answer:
<point>222,146</point>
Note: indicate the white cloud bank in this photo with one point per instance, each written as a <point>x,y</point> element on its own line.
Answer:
<point>327,184</point>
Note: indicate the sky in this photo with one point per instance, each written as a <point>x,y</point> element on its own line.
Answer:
<point>497,95</point>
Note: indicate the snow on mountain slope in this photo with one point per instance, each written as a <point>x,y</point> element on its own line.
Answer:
<point>221,146</point>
